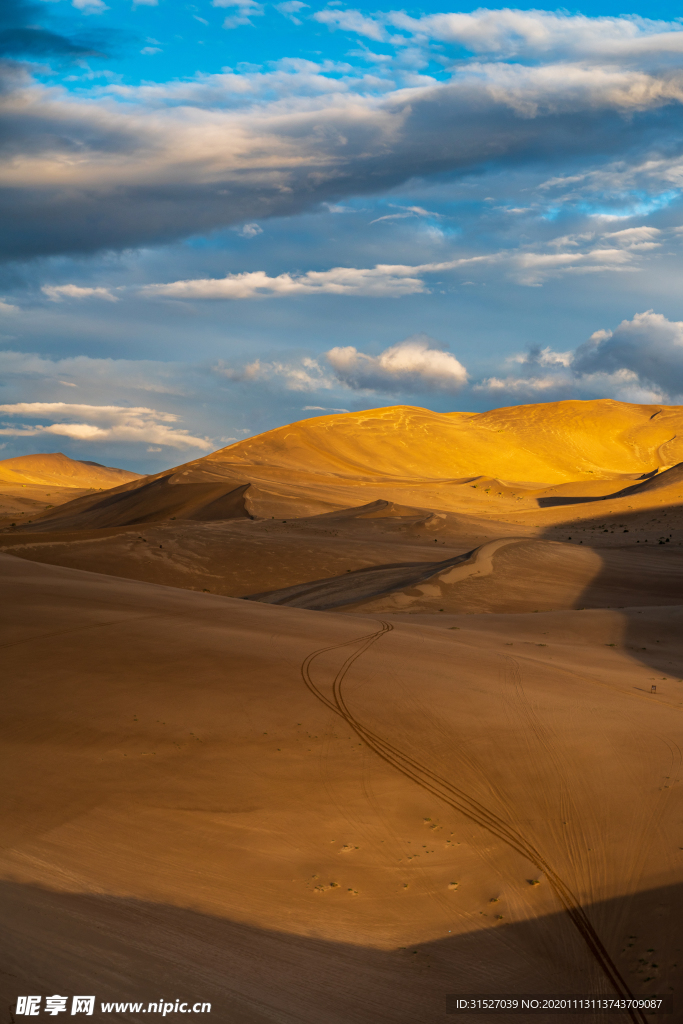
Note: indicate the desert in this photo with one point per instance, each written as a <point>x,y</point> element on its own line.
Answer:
<point>321,733</point>
<point>341,512</point>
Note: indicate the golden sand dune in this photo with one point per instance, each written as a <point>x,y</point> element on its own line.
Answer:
<point>201,806</point>
<point>453,777</point>
<point>550,443</point>
<point>473,462</point>
<point>33,484</point>
<point>62,471</point>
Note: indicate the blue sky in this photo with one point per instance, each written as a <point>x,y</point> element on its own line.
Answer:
<point>218,218</point>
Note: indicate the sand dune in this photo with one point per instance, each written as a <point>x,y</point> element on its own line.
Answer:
<point>422,757</point>
<point>503,460</point>
<point>551,443</point>
<point>60,470</point>
<point>33,484</point>
<point>186,805</point>
<point>148,502</point>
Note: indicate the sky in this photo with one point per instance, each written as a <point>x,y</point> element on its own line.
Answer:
<point>221,217</point>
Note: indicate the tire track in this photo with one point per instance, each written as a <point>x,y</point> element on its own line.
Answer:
<point>464,804</point>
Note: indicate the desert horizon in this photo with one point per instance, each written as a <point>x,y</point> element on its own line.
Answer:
<point>340,701</point>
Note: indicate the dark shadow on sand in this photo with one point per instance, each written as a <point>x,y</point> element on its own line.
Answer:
<point>128,950</point>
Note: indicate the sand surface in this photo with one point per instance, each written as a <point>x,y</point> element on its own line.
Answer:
<point>424,758</point>
<point>31,484</point>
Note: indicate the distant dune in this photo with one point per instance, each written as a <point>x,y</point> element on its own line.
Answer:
<point>60,470</point>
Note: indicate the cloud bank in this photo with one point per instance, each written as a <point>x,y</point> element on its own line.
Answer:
<point>163,161</point>
<point>97,423</point>
<point>641,361</point>
<point>586,253</point>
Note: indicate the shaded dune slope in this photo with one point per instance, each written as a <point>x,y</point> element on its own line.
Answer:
<point>358,585</point>
<point>669,479</point>
<point>507,575</point>
<point>151,501</point>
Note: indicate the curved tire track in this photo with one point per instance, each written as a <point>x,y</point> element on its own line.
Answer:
<point>464,804</point>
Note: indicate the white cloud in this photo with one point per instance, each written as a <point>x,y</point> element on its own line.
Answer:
<point>535,34</point>
<point>239,146</point>
<point>592,252</point>
<point>246,9</point>
<point>148,51</point>
<point>544,357</point>
<point>352,21</point>
<point>416,364</point>
<point>650,346</point>
<point>527,386</point>
<point>321,408</point>
<point>407,211</point>
<point>635,238</point>
<point>306,375</point>
<point>290,8</point>
<point>412,365</point>
<point>251,230</point>
<point>378,282</point>
<point>90,6</point>
<point>641,361</point>
<point>73,291</point>
<point>100,423</point>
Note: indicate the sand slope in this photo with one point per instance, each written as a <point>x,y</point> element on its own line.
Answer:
<point>62,471</point>
<point>33,484</point>
<point>318,817</point>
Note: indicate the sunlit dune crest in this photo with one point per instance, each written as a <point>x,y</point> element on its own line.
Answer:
<point>550,443</point>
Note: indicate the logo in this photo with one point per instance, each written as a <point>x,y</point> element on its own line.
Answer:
<point>29,1006</point>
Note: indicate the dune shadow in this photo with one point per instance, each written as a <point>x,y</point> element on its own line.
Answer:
<point>648,482</point>
<point>636,579</point>
<point>128,950</point>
